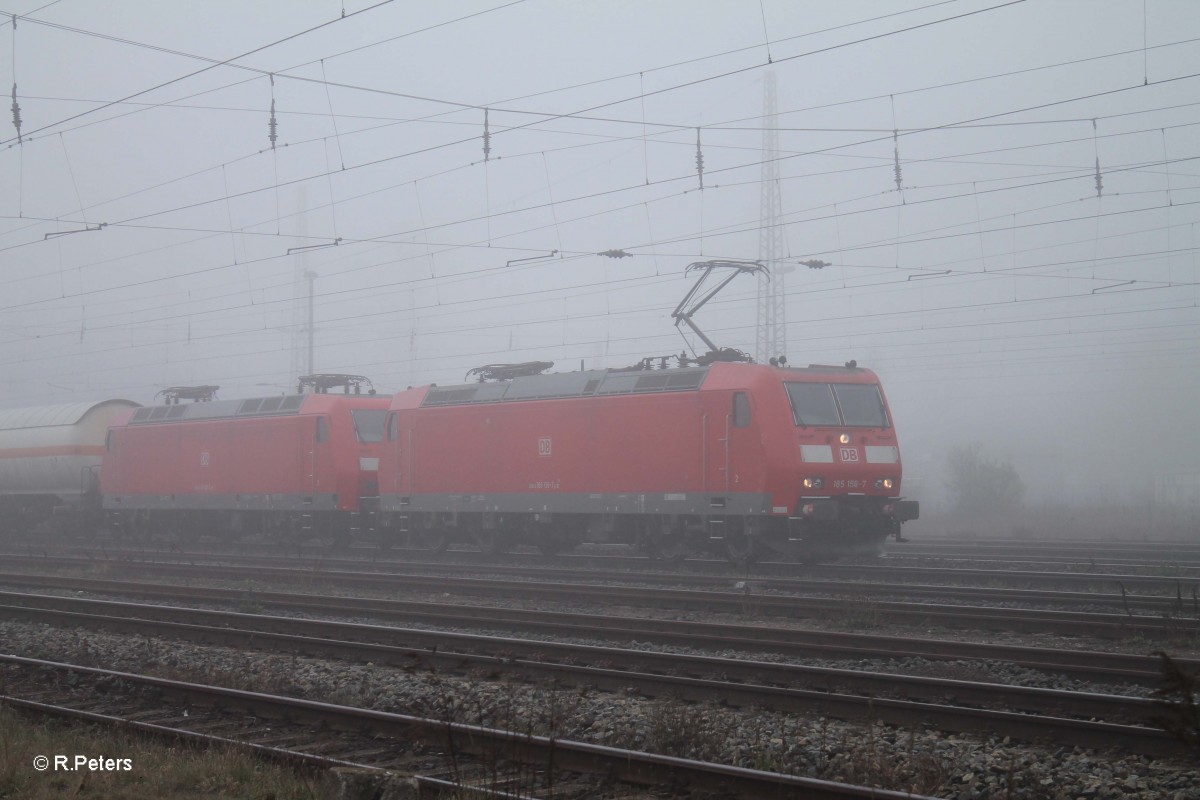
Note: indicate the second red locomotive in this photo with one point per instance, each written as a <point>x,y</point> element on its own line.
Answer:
<point>293,465</point>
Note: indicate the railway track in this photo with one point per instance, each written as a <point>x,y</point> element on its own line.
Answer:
<point>901,700</point>
<point>1084,553</point>
<point>743,599</point>
<point>1174,547</point>
<point>1177,589</point>
<point>1113,668</point>
<point>1181,559</point>
<point>537,766</point>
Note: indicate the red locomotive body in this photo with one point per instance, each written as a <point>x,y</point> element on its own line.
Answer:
<point>292,464</point>
<point>731,456</point>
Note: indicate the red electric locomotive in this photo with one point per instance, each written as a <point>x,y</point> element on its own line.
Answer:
<point>295,465</point>
<point>729,456</point>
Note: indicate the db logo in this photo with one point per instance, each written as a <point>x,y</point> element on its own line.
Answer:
<point>849,454</point>
<point>544,446</point>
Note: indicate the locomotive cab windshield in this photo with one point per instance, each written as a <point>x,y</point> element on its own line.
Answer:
<point>837,405</point>
<point>368,423</point>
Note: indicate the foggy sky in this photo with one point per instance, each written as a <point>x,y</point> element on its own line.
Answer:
<point>1000,295</point>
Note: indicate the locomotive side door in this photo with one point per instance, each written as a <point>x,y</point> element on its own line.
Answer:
<point>399,437</point>
<point>391,473</point>
<point>405,442</point>
<point>737,442</point>
<point>307,443</point>
<point>321,460</point>
<point>726,426</point>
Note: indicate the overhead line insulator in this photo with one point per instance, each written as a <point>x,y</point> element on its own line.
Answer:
<point>896,156</point>
<point>272,125</point>
<point>16,112</point>
<point>699,160</point>
<point>487,137</point>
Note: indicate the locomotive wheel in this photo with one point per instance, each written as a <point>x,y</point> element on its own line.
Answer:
<point>556,547</point>
<point>741,549</point>
<point>491,541</point>
<point>551,547</point>
<point>670,544</point>
<point>436,538</point>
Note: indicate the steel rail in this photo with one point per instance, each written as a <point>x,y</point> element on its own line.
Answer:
<point>1109,667</point>
<point>281,755</point>
<point>1186,568</point>
<point>639,768</point>
<point>741,683</point>
<point>1180,555</point>
<point>1080,553</point>
<point>693,571</point>
<point>687,572</point>
<point>374,575</point>
<point>1158,546</point>
<point>743,601</point>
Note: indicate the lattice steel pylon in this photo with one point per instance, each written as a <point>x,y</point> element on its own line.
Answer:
<point>771,333</point>
<point>302,303</point>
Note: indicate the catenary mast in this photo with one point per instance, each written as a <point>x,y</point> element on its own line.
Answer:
<point>771,333</point>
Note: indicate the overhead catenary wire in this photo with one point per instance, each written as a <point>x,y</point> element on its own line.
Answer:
<point>1004,74</point>
<point>167,278</point>
<point>211,66</point>
<point>555,207</point>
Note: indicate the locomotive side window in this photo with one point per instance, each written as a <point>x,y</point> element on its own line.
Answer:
<point>108,441</point>
<point>741,410</point>
<point>368,423</point>
<point>812,404</point>
<point>392,426</point>
<point>861,404</point>
<point>322,429</point>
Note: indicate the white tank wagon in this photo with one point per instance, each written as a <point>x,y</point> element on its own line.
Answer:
<point>50,458</point>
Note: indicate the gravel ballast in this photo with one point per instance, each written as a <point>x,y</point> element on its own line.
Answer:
<point>950,766</point>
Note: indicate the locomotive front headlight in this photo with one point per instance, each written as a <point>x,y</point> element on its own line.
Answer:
<point>844,438</point>
<point>884,483</point>
<point>814,483</point>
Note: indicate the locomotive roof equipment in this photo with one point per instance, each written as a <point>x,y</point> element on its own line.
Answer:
<point>321,383</point>
<point>197,394</point>
<point>506,372</point>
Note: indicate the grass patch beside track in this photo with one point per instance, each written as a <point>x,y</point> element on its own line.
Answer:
<point>156,769</point>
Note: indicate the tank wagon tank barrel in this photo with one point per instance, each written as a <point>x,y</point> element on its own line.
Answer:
<point>50,457</point>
